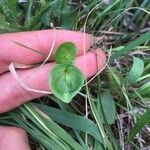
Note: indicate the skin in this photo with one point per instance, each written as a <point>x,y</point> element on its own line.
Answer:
<point>13,95</point>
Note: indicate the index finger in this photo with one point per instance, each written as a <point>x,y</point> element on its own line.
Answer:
<point>38,40</point>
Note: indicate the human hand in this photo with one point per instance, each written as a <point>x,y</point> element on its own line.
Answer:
<point>12,93</point>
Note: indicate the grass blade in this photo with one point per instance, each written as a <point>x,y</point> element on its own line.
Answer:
<point>144,91</point>
<point>143,38</point>
<point>144,120</point>
<point>49,125</point>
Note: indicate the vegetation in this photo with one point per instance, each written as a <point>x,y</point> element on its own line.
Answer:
<point>65,80</point>
<point>116,102</point>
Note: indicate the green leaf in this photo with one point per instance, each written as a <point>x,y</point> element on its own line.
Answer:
<point>109,109</point>
<point>71,120</point>
<point>143,38</point>
<point>144,120</point>
<point>65,81</point>
<point>65,53</point>
<point>135,72</point>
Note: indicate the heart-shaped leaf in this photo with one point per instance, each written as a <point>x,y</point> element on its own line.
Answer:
<point>65,81</point>
<point>65,53</point>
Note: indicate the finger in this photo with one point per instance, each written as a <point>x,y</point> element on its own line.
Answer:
<point>13,94</point>
<point>38,40</point>
<point>12,138</point>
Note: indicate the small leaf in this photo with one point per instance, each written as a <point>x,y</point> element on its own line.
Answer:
<point>108,106</point>
<point>135,72</point>
<point>65,81</point>
<point>65,53</point>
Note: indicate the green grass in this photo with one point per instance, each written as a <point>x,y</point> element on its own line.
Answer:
<point>114,99</point>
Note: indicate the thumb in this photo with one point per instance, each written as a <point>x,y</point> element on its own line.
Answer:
<point>13,138</point>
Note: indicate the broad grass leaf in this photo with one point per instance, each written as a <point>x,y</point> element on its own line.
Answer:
<point>108,107</point>
<point>71,120</point>
<point>65,81</point>
<point>144,120</point>
<point>135,71</point>
<point>65,53</point>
